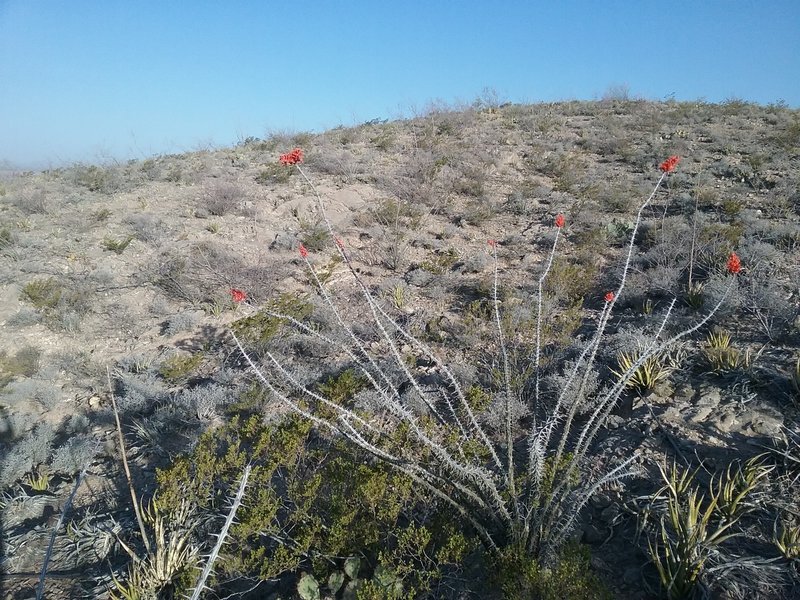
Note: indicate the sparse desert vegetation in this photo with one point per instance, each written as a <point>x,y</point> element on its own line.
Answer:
<point>329,385</point>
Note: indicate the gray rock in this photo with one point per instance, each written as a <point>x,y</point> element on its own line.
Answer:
<point>609,514</point>
<point>708,397</point>
<point>762,423</point>
<point>632,575</point>
<point>600,501</point>
<point>593,534</point>
<point>724,422</point>
<point>699,414</point>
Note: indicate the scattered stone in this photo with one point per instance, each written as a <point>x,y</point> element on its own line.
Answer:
<point>708,397</point>
<point>683,395</point>
<point>724,421</point>
<point>614,422</point>
<point>593,534</point>
<point>600,501</point>
<point>608,514</point>
<point>109,448</point>
<point>762,423</point>
<point>95,402</point>
<point>699,414</point>
<point>632,575</point>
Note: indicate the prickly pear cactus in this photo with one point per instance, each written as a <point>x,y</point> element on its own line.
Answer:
<point>335,582</point>
<point>351,567</point>
<point>308,588</point>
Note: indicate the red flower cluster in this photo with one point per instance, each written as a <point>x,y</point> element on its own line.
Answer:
<point>303,251</point>
<point>668,166</point>
<point>292,158</point>
<point>734,265</point>
<point>559,221</point>
<point>238,295</point>
<point>492,243</point>
<point>339,242</point>
<point>609,296</point>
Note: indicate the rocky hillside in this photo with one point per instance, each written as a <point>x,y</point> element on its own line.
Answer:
<point>127,278</point>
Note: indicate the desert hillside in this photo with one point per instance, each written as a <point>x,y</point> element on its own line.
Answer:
<point>473,291</point>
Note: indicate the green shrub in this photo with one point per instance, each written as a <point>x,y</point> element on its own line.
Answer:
<point>101,215</point>
<point>263,325</point>
<point>571,578</point>
<point>61,304</point>
<point>310,498</point>
<point>314,236</point>
<point>570,281</point>
<point>6,238</point>
<point>178,368</point>
<point>342,388</point>
<point>95,179</point>
<point>43,293</point>
<point>117,246</point>
<point>25,363</point>
<point>440,262</point>
<point>384,140</point>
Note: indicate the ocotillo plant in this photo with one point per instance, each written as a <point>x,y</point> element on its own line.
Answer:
<point>519,491</point>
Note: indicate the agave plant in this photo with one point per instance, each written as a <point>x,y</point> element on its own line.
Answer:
<point>647,375</point>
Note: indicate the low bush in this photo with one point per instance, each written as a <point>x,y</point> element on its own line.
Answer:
<point>24,363</point>
<point>312,499</point>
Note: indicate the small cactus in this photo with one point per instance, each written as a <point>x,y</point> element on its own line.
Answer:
<point>351,567</point>
<point>308,588</point>
<point>335,582</point>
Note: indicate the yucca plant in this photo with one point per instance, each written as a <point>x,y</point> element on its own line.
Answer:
<point>169,563</point>
<point>786,538</point>
<point>694,295</point>
<point>170,555</point>
<point>38,481</point>
<point>734,487</point>
<point>117,246</point>
<point>647,375</point>
<point>689,530</point>
<point>720,355</point>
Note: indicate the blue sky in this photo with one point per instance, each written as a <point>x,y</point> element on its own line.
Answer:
<point>117,79</point>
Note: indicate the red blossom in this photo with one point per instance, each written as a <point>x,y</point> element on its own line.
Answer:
<point>492,243</point>
<point>238,295</point>
<point>339,243</point>
<point>303,251</point>
<point>734,264</point>
<point>559,221</point>
<point>292,158</point>
<point>609,296</point>
<point>669,165</point>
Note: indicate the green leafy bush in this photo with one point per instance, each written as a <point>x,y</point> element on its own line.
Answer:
<point>117,246</point>
<point>43,293</point>
<point>24,363</point>
<point>178,368</point>
<point>312,499</point>
<point>274,173</point>
<point>263,325</point>
<point>570,578</point>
